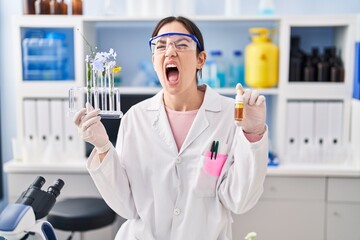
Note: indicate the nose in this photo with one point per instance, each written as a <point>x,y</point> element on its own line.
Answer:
<point>170,50</point>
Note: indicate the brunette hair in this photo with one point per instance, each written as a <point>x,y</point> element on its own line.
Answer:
<point>190,27</point>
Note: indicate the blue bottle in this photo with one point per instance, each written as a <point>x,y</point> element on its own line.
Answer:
<point>237,69</point>
<point>217,56</point>
<point>209,75</point>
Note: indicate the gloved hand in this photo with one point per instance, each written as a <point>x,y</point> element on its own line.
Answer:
<point>91,129</point>
<point>254,111</point>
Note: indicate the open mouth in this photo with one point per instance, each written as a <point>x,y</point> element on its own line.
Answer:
<point>172,73</point>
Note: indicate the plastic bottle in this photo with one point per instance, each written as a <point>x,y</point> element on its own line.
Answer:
<point>57,49</point>
<point>184,7</point>
<point>266,7</point>
<point>239,106</point>
<point>236,70</point>
<point>217,56</point>
<point>109,8</point>
<point>232,7</point>
<point>209,74</point>
<point>261,60</point>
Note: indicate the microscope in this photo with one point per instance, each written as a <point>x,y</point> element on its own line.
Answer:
<point>23,219</point>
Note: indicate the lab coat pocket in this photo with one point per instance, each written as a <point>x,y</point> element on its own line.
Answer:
<point>208,175</point>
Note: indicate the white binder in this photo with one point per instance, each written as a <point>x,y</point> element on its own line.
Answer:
<point>57,125</point>
<point>321,129</point>
<point>335,130</point>
<point>306,131</point>
<point>43,124</point>
<point>30,122</point>
<point>74,146</point>
<point>30,143</point>
<point>292,132</point>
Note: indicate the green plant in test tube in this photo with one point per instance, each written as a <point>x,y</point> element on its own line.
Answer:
<point>88,77</point>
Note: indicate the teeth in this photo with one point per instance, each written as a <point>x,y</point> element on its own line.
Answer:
<point>170,65</point>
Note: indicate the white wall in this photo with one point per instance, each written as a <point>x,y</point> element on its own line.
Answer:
<point>9,8</point>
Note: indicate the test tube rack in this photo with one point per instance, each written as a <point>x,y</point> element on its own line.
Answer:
<point>103,98</point>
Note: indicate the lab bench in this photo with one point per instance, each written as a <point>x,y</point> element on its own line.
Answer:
<point>299,202</point>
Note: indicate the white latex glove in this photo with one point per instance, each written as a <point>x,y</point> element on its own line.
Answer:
<point>254,111</point>
<point>91,129</point>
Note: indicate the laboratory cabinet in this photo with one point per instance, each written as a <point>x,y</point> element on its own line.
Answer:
<point>343,208</point>
<point>290,208</point>
<point>318,207</point>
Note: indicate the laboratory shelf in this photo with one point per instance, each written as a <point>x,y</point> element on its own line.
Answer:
<point>74,166</point>
<point>315,90</point>
<point>45,89</point>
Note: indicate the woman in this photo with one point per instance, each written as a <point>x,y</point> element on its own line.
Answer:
<point>167,174</point>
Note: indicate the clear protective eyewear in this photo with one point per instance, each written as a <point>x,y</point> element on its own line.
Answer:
<point>181,42</point>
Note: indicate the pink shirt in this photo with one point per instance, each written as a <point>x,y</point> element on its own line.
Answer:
<point>180,124</point>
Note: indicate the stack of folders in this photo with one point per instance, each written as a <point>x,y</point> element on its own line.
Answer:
<point>49,134</point>
<point>314,133</point>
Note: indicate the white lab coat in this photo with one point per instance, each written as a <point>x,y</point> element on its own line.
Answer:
<point>164,192</point>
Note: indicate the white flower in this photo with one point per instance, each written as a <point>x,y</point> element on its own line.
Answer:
<point>103,60</point>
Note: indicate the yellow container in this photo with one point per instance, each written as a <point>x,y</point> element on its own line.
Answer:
<point>261,60</point>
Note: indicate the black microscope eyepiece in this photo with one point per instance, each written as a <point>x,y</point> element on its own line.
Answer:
<point>41,201</point>
<point>38,183</point>
<point>56,187</point>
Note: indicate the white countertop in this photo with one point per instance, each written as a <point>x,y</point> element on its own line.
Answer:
<point>76,166</point>
<point>313,170</point>
<point>79,166</point>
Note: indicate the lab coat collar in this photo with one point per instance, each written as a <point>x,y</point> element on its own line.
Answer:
<point>160,122</point>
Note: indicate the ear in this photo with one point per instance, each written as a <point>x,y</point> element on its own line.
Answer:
<point>201,60</point>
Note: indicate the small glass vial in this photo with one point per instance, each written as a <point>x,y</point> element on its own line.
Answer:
<point>239,107</point>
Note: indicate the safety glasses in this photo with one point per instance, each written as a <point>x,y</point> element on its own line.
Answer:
<point>181,42</point>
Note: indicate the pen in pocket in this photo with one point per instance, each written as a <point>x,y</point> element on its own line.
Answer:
<point>217,148</point>
<point>214,149</point>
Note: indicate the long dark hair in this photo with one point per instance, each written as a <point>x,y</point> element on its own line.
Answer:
<point>190,27</point>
